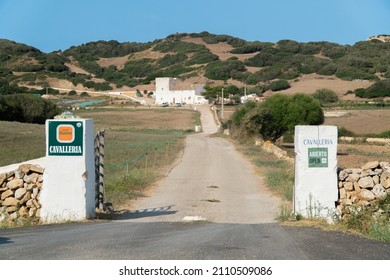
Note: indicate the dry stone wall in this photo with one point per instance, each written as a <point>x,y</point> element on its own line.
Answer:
<point>20,192</point>
<point>364,186</point>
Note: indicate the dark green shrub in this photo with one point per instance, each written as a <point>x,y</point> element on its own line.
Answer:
<point>281,113</point>
<point>72,93</point>
<point>378,89</point>
<point>221,70</point>
<point>202,57</point>
<point>279,85</point>
<point>262,59</point>
<point>342,131</point>
<point>170,59</point>
<point>26,108</point>
<point>325,95</point>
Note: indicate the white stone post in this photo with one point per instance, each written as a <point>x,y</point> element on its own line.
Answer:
<point>68,191</point>
<point>316,190</point>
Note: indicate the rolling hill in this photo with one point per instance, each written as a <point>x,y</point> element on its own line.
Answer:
<point>196,58</point>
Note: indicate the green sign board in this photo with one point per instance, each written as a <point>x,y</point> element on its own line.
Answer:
<point>318,157</point>
<point>65,138</point>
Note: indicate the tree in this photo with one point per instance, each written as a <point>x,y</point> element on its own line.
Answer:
<point>280,114</point>
<point>325,95</point>
<point>279,85</point>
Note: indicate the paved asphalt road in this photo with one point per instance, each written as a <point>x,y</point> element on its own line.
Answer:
<point>212,181</point>
<point>187,241</point>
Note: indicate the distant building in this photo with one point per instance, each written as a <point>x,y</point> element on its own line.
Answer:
<point>251,97</point>
<point>171,91</point>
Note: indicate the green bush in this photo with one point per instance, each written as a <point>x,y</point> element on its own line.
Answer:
<point>279,85</point>
<point>202,57</point>
<point>26,108</point>
<point>221,70</point>
<point>342,131</point>
<point>72,93</point>
<point>281,113</point>
<point>350,73</point>
<point>251,48</point>
<point>325,95</point>
<point>378,89</point>
<point>171,59</point>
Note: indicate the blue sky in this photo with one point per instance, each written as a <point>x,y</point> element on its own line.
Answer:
<point>58,24</point>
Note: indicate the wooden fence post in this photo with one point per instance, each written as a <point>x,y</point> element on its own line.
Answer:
<point>99,169</point>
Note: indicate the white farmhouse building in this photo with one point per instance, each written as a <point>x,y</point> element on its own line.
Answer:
<point>169,90</point>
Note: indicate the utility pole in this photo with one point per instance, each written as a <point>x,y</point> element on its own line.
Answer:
<point>222,115</point>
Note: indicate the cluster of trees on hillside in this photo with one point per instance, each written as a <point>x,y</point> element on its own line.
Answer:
<point>283,60</point>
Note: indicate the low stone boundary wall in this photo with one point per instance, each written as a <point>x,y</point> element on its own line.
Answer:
<point>20,192</point>
<point>364,186</point>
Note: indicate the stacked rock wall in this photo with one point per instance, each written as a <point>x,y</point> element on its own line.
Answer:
<point>20,192</point>
<point>364,186</point>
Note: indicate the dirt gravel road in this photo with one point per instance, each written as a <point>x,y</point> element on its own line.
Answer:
<point>211,181</point>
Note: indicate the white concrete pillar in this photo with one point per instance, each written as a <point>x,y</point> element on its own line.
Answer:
<point>68,191</point>
<point>316,190</point>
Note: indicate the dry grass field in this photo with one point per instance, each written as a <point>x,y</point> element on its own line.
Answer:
<point>362,121</point>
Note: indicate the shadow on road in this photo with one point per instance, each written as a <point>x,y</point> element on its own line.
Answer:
<point>5,240</point>
<point>142,213</point>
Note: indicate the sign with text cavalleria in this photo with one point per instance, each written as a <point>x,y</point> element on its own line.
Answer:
<point>65,138</point>
<point>315,188</point>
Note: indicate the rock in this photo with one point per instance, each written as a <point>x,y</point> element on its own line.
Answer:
<point>367,195</point>
<point>384,164</point>
<point>352,177</point>
<point>30,203</point>
<point>3,177</point>
<point>38,213</point>
<point>25,198</point>
<point>356,186</point>
<point>343,194</point>
<point>25,168</point>
<point>35,193</point>
<point>370,165</point>
<point>36,168</point>
<point>11,201</point>
<point>32,178</point>
<point>11,209</point>
<point>23,212</point>
<point>6,194</point>
<point>343,175</point>
<point>375,179</point>
<point>32,212</point>
<point>15,184</point>
<point>19,193</point>
<point>3,189</point>
<point>386,172</point>
<point>386,183</point>
<point>40,178</point>
<point>366,183</point>
<point>340,184</point>
<point>30,186</point>
<point>379,191</point>
<point>13,216</point>
<point>39,185</point>
<point>36,203</point>
<point>19,174</point>
<point>348,186</point>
